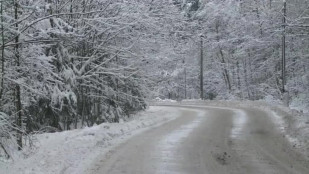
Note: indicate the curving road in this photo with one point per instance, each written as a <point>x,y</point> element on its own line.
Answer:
<point>208,140</point>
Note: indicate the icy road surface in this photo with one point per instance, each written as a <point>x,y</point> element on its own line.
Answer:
<point>208,140</point>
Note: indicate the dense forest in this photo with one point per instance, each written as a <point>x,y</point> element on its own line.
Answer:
<point>67,64</point>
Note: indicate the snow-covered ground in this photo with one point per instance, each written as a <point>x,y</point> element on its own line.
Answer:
<point>72,152</point>
<point>293,122</point>
<point>168,153</point>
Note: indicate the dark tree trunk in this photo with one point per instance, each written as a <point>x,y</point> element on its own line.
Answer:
<point>17,88</point>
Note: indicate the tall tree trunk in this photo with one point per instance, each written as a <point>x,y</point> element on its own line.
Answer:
<point>17,88</point>
<point>50,11</point>
<point>225,71</point>
<point>2,53</point>
<point>258,17</point>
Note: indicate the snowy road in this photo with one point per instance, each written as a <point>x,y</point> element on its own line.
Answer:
<point>208,140</point>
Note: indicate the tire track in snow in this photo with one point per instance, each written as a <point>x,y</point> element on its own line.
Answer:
<point>168,156</point>
<point>240,119</point>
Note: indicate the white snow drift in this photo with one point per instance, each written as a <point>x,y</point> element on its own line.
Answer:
<point>71,152</point>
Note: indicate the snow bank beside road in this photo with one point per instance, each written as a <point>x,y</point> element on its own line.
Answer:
<point>73,151</point>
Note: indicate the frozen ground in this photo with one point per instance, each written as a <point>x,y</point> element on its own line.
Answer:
<point>71,152</point>
<point>207,139</point>
<point>74,152</point>
<point>293,122</point>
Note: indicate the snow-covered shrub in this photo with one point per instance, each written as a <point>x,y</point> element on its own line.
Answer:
<point>7,138</point>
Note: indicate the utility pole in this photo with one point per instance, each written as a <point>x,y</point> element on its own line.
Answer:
<point>284,92</point>
<point>185,71</point>
<point>283,46</point>
<point>201,70</point>
<point>185,83</point>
